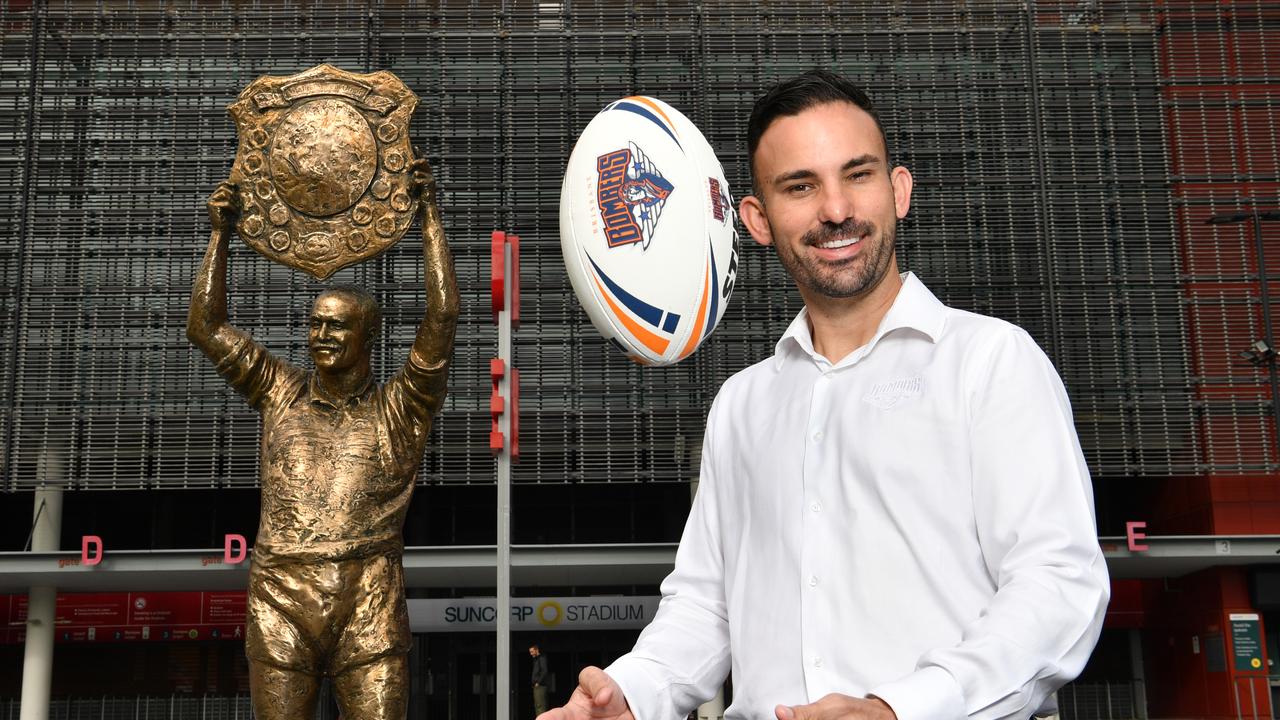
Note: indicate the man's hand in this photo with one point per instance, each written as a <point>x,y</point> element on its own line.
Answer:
<point>598,697</point>
<point>222,206</point>
<point>838,707</point>
<point>422,182</point>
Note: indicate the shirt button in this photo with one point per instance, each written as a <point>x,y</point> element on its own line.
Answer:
<point>816,507</point>
<point>817,437</point>
<point>817,662</point>
<point>813,581</point>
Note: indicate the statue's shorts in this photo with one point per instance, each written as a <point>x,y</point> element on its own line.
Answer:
<point>325,617</point>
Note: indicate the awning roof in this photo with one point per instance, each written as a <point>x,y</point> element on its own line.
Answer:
<point>473,567</point>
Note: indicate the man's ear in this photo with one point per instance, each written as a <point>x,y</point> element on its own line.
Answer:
<point>902,184</point>
<point>751,210</point>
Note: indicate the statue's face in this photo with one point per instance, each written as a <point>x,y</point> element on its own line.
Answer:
<point>339,336</point>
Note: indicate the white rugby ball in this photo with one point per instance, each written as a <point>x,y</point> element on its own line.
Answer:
<point>647,229</point>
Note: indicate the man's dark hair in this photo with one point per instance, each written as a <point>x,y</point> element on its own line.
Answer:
<point>369,309</point>
<point>794,96</point>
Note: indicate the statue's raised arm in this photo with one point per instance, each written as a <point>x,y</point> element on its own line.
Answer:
<point>207,324</point>
<point>433,344</point>
<point>247,366</point>
<point>422,379</point>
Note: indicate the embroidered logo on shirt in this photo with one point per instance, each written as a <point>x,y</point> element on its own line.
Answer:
<point>887,394</point>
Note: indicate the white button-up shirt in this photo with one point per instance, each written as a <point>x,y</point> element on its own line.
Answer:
<point>913,522</point>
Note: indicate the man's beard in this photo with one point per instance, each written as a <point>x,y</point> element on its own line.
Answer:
<point>847,278</point>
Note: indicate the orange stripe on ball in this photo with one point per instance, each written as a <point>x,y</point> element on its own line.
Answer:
<point>648,339</point>
<point>654,107</point>
<point>702,314</point>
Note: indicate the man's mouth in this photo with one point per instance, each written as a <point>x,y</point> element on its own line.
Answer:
<point>840,243</point>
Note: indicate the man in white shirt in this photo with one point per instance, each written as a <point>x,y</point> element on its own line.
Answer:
<point>894,518</point>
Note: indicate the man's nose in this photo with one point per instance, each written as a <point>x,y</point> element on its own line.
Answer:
<point>836,205</point>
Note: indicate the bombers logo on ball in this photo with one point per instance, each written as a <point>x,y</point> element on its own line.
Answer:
<point>322,166</point>
<point>630,192</point>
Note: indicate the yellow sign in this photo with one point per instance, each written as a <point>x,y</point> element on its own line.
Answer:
<point>554,619</point>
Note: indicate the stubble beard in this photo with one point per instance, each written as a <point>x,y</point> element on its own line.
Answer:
<point>848,278</point>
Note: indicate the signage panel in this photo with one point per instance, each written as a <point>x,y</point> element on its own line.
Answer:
<point>171,616</point>
<point>139,616</point>
<point>1246,642</point>
<point>541,613</point>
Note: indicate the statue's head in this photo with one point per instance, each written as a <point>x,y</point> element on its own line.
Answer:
<point>344,323</point>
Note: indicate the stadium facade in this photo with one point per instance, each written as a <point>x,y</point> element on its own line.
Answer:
<point>1105,174</point>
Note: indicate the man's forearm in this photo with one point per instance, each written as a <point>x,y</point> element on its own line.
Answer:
<point>434,342</point>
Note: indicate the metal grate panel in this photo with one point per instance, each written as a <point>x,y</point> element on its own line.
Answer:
<point>1064,156</point>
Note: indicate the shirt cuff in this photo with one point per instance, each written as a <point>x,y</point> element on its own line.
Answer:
<point>639,689</point>
<point>929,693</point>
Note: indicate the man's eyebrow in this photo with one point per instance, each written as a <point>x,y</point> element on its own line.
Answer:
<point>866,159</point>
<point>794,175</point>
<point>806,174</point>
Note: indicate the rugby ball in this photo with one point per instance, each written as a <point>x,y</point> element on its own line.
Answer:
<point>647,230</point>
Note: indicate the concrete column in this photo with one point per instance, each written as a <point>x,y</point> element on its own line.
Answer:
<point>37,661</point>
<point>713,709</point>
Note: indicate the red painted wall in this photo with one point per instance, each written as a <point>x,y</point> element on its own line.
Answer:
<point>1179,611</point>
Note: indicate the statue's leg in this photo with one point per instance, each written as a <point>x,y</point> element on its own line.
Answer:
<point>280,694</point>
<point>370,665</point>
<point>377,690</point>
<point>285,640</point>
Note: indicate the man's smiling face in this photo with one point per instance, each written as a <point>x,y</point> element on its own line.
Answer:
<point>829,204</point>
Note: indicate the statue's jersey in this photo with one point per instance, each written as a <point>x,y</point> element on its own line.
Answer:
<point>337,473</point>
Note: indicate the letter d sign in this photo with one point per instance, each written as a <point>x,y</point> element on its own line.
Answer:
<point>86,542</point>
<point>230,556</point>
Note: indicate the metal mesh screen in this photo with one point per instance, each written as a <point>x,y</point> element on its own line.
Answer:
<point>1220,69</point>
<point>1038,135</point>
<point>16,114</point>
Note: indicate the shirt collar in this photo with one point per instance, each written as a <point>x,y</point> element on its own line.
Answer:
<point>320,397</point>
<point>915,307</point>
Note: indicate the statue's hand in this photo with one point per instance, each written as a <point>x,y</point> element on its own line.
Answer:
<point>421,179</point>
<point>222,206</point>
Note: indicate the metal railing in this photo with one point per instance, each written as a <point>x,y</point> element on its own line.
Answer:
<point>140,707</point>
<point>1099,701</point>
<point>158,707</point>
<point>1251,697</point>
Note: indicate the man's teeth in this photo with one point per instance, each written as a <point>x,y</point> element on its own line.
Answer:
<point>833,244</point>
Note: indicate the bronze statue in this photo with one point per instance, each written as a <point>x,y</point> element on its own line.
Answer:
<point>338,459</point>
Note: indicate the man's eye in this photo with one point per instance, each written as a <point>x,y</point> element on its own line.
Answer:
<point>859,175</point>
<point>798,188</point>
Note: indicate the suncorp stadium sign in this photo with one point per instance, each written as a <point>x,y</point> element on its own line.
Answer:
<point>545,613</point>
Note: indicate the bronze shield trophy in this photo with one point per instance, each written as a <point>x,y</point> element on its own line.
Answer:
<point>323,166</point>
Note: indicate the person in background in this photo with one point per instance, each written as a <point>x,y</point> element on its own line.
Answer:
<point>539,679</point>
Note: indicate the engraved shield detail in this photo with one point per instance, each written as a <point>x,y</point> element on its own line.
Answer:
<point>323,155</point>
